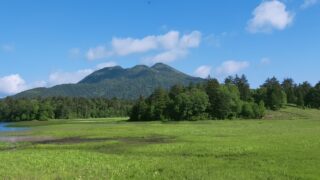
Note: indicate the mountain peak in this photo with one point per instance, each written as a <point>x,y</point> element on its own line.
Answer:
<point>160,66</point>
<point>102,74</point>
<point>123,83</point>
<point>113,67</point>
<point>140,67</point>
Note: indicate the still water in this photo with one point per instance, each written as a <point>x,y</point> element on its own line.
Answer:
<point>4,128</point>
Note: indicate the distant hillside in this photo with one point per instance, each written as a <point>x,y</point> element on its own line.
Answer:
<point>118,82</point>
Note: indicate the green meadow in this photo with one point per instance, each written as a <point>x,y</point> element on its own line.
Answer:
<point>284,145</point>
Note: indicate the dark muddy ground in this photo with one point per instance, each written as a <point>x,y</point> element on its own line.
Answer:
<point>75,140</point>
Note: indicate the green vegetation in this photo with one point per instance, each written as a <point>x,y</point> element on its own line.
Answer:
<point>284,145</point>
<point>207,100</point>
<point>117,82</point>
<point>61,108</point>
<point>161,93</point>
<point>233,99</point>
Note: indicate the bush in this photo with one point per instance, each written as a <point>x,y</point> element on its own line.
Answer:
<point>247,110</point>
<point>253,110</point>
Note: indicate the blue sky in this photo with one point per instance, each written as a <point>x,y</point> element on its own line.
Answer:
<point>45,43</point>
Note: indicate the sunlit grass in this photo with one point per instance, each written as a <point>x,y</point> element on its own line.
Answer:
<point>285,145</point>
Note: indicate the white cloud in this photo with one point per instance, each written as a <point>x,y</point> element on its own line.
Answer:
<point>165,57</point>
<point>12,84</point>
<point>203,71</point>
<point>128,46</point>
<point>168,47</point>
<point>169,40</point>
<point>191,40</point>
<point>270,15</point>
<point>7,47</point>
<point>231,67</point>
<point>61,77</point>
<point>99,52</point>
<point>106,64</point>
<point>175,47</point>
<point>308,3</point>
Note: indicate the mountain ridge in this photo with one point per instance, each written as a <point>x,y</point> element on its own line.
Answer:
<point>117,82</point>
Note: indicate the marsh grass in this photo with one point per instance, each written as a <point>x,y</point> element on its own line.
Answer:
<point>285,145</point>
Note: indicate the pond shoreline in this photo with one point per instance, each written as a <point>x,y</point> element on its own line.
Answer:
<point>4,127</point>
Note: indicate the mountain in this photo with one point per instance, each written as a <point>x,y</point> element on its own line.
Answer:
<point>118,82</point>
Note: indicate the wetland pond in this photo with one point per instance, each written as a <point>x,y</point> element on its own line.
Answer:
<point>4,127</point>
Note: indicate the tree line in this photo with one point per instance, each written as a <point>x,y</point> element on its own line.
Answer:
<point>228,100</point>
<point>62,108</point>
<point>210,100</point>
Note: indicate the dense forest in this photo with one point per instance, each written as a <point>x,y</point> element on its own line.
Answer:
<point>209,100</point>
<point>232,99</point>
<point>62,108</point>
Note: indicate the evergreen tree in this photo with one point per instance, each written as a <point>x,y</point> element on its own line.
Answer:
<point>312,98</point>
<point>300,98</point>
<point>139,111</point>
<point>288,87</point>
<point>243,87</point>
<point>222,104</point>
<point>212,90</point>
<point>301,92</point>
<point>175,90</point>
<point>229,80</point>
<point>158,104</point>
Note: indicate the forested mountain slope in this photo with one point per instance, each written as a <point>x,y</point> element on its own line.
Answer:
<point>118,82</point>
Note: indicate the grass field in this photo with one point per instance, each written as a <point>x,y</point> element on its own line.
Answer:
<point>285,145</point>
